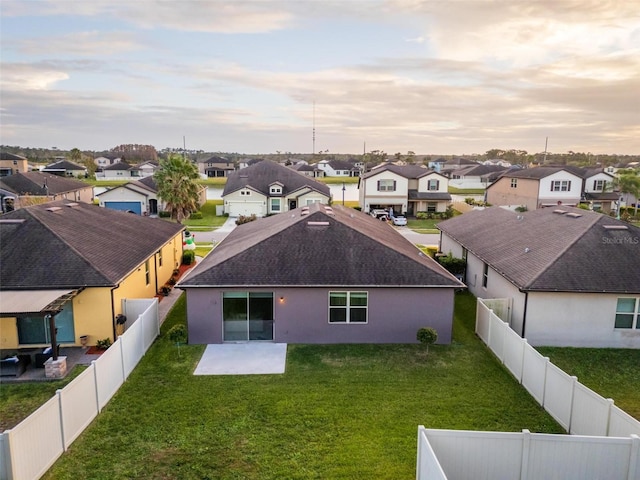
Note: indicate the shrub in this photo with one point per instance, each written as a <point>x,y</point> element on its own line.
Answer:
<point>188,257</point>
<point>431,251</point>
<point>242,219</point>
<point>164,214</point>
<point>521,208</point>
<point>469,201</point>
<point>103,344</point>
<point>196,216</point>
<point>454,265</point>
<point>178,334</point>
<point>427,336</point>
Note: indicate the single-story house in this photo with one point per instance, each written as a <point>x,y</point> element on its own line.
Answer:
<point>27,188</point>
<point>318,274</point>
<point>139,197</point>
<point>65,168</point>
<point>338,168</point>
<point>119,171</point>
<point>267,188</point>
<point>572,275</point>
<point>80,262</point>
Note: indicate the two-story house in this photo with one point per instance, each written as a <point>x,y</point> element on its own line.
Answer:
<point>598,190</point>
<point>338,168</point>
<point>535,188</point>
<point>215,166</point>
<point>11,164</point>
<point>267,188</point>
<point>119,171</point>
<point>407,189</point>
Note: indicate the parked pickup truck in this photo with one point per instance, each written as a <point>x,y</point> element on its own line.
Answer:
<point>380,214</point>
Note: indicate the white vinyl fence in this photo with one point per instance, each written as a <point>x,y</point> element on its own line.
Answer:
<point>577,408</point>
<point>29,449</point>
<point>468,455</point>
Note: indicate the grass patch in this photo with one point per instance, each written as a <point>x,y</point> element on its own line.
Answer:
<point>466,191</point>
<point>19,400</point>
<point>209,218</point>
<point>610,372</point>
<point>339,411</point>
<point>424,226</point>
<point>336,180</point>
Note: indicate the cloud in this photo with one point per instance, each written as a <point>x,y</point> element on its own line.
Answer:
<point>84,44</point>
<point>16,76</point>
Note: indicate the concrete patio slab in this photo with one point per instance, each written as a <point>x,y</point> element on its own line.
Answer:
<point>243,359</point>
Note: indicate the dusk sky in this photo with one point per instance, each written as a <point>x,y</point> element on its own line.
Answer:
<point>432,77</point>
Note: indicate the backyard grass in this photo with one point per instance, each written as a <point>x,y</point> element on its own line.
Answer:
<point>613,373</point>
<point>339,411</point>
<point>19,400</point>
<point>209,218</point>
<point>466,191</point>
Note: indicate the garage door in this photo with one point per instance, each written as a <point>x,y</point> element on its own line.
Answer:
<point>245,208</point>
<point>134,207</point>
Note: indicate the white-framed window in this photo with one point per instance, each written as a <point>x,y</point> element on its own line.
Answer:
<point>275,190</point>
<point>433,184</point>
<point>348,307</point>
<point>432,207</point>
<point>275,204</point>
<point>560,185</point>
<point>311,201</point>
<point>485,275</point>
<point>514,183</point>
<point>599,185</point>
<point>245,192</point>
<point>628,313</point>
<point>147,273</point>
<point>160,257</point>
<point>387,185</point>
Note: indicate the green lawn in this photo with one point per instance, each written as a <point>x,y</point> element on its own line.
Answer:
<point>339,411</point>
<point>613,373</point>
<point>209,218</point>
<point>424,226</point>
<point>466,191</point>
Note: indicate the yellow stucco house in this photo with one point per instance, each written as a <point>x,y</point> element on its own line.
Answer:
<point>78,262</point>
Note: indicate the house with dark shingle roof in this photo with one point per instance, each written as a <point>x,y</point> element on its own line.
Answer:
<point>573,276</point>
<point>267,188</point>
<point>27,188</point>
<point>11,164</point>
<point>536,188</point>
<point>86,260</point>
<point>65,168</point>
<point>119,171</point>
<point>407,189</point>
<point>215,166</point>
<point>475,176</point>
<point>318,274</point>
<point>139,197</point>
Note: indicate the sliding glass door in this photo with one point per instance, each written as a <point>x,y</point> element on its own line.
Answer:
<point>247,316</point>
<point>34,330</point>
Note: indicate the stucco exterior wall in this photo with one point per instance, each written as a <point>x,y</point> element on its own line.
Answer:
<point>525,193</point>
<point>497,285</point>
<point>254,202</point>
<point>546,197</point>
<point>394,315</point>
<point>577,320</point>
<point>125,195</point>
<point>443,186</point>
<point>369,194</point>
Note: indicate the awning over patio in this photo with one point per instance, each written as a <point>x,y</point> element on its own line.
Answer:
<point>15,302</point>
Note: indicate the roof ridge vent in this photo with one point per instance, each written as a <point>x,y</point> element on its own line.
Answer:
<point>615,227</point>
<point>304,212</point>
<point>559,212</point>
<point>574,215</point>
<point>53,209</point>
<point>318,224</point>
<point>72,204</point>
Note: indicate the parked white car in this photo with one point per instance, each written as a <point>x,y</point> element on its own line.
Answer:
<point>399,221</point>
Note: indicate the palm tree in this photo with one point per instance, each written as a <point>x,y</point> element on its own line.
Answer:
<point>177,186</point>
<point>629,183</point>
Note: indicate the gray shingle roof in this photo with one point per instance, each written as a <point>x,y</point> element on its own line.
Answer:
<point>32,183</point>
<point>547,251</point>
<point>416,195</point>
<point>10,156</point>
<point>262,174</point>
<point>343,248</point>
<point>407,171</point>
<point>537,172</point>
<point>76,246</point>
<point>64,165</point>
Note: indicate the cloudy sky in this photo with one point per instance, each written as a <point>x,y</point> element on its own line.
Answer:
<point>433,77</point>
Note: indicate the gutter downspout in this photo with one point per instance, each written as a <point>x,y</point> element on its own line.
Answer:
<point>524,315</point>
<point>113,313</point>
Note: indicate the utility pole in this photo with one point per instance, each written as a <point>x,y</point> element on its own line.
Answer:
<point>546,141</point>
